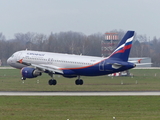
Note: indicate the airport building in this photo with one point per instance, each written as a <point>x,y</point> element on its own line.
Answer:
<point>142,62</point>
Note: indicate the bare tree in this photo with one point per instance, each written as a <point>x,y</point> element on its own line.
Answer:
<point>75,43</point>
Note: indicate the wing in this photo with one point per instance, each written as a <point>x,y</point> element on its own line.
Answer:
<point>47,67</point>
<point>43,67</point>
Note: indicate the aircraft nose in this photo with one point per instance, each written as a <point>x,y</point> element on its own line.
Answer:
<point>9,61</point>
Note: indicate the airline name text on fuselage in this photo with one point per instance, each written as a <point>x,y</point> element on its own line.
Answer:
<point>37,54</point>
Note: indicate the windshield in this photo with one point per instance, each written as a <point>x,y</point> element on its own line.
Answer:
<point>12,55</point>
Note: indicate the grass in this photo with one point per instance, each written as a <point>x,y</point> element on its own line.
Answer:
<point>143,80</point>
<point>80,108</point>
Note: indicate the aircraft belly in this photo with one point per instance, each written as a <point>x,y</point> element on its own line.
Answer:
<point>69,66</point>
<point>90,71</point>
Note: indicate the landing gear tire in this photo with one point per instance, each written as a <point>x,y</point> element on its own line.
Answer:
<point>79,82</point>
<point>52,82</point>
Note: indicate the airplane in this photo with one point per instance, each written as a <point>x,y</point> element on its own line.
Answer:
<point>34,63</point>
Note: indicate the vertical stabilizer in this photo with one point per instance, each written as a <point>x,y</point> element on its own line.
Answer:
<point>123,49</point>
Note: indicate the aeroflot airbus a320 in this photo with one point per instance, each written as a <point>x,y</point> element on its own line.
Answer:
<point>34,63</point>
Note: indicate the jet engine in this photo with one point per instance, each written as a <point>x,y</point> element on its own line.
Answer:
<point>28,72</point>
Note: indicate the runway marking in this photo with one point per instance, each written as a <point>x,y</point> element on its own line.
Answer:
<point>3,93</point>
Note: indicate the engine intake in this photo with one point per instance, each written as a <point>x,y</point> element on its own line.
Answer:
<point>30,72</point>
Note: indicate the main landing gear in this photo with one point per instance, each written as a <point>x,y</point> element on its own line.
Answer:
<point>79,81</point>
<point>52,81</point>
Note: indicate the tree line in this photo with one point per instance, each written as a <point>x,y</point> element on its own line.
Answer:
<point>75,43</point>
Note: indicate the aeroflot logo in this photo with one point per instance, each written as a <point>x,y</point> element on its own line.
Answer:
<point>37,54</point>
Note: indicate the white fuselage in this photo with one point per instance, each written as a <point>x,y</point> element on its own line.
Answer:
<point>55,59</point>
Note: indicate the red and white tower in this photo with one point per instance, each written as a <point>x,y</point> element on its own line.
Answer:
<point>109,43</point>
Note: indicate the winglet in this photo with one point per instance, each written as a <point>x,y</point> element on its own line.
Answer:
<point>20,61</point>
<point>24,63</point>
<point>139,61</point>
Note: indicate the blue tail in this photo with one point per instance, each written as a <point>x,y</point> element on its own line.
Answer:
<point>123,49</point>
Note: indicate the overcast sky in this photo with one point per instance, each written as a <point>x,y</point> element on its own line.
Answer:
<point>86,16</point>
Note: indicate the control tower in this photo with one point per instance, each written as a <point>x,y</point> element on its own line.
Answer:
<point>109,43</point>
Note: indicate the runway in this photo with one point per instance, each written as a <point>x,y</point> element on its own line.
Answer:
<point>15,93</point>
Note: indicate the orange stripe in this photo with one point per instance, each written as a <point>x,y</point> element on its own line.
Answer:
<point>81,67</point>
<point>120,51</point>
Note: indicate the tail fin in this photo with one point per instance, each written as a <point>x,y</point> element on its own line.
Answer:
<point>123,49</point>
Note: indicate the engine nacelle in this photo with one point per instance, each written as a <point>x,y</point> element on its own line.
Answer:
<point>30,72</point>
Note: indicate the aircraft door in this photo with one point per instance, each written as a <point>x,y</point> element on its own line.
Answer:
<point>102,66</point>
<point>18,55</point>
